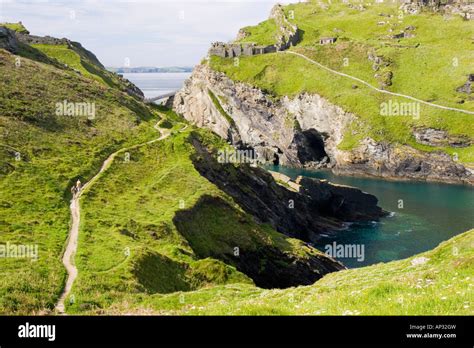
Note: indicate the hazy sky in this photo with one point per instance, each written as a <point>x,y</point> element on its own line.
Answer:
<point>146,32</point>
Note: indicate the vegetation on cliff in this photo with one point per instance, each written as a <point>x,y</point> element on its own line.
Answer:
<point>433,48</point>
<point>156,236</point>
<point>129,245</point>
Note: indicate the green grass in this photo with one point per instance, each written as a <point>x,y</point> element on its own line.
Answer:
<point>416,71</point>
<point>65,55</point>
<point>440,286</point>
<point>75,57</point>
<point>219,107</point>
<point>54,151</point>
<point>18,27</point>
<point>132,243</point>
<point>263,34</point>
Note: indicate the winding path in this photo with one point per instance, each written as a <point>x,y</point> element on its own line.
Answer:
<point>375,88</point>
<point>71,246</point>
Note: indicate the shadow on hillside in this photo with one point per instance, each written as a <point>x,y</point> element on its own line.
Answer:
<point>216,229</point>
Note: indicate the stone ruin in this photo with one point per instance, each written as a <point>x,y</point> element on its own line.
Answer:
<point>8,40</point>
<point>288,35</point>
<point>239,49</point>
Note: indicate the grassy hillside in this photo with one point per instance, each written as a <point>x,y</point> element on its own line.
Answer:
<point>155,236</point>
<point>130,246</point>
<point>77,58</point>
<point>437,282</point>
<point>439,51</point>
<point>18,27</point>
<point>263,34</point>
<point>41,155</point>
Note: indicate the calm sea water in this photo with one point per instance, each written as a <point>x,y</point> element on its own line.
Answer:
<point>431,213</point>
<point>155,84</point>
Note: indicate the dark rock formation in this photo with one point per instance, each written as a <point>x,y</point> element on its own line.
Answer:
<point>309,145</point>
<point>239,49</point>
<point>268,265</point>
<point>345,203</point>
<point>438,137</point>
<point>8,40</point>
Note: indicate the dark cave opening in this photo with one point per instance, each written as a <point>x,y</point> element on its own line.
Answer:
<point>276,159</point>
<point>310,146</point>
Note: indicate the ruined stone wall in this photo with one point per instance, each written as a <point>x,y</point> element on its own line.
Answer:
<point>288,35</point>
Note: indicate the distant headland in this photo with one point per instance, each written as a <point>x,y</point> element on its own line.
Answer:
<point>150,69</point>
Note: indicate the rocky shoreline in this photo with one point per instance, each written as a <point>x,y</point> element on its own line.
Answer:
<point>304,131</point>
<point>302,210</point>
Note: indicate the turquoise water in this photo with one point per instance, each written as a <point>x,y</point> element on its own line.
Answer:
<point>431,213</point>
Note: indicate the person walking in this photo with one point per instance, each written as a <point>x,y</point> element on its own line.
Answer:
<point>76,188</point>
<point>78,185</point>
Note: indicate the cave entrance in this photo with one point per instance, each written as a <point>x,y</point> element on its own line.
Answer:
<point>276,160</point>
<point>310,146</point>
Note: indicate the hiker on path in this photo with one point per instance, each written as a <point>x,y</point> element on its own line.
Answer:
<point>76,188</point>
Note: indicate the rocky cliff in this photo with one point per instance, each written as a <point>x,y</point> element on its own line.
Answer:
<point>8,40</point>
<point>314,207</point>
<point>303,131</point>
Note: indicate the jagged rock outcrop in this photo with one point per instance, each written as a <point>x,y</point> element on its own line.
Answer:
<point>269,266</point>
<point>303,131</point>
<point>457,7</point>
<point>318,207</point>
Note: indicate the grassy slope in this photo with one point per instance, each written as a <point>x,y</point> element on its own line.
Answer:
<point>119,215</point>
<point>262,34</point>
<point>18,27</point>
<point>131,206</point>
<point>130,246</point>
<point>416,71</point>
<point>55,151</point>
<point>76,58</point>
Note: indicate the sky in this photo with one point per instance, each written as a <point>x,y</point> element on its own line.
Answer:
<point>139,32</point>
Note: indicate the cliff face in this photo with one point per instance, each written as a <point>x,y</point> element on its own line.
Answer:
<point>303,131</point>
<point>312,207</point>
<point>8,40</point>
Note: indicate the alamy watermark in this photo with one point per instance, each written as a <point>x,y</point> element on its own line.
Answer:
<point>27,251</point>
<point>66,108</point>
<point>348,251</point>
<point>395,108</point>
